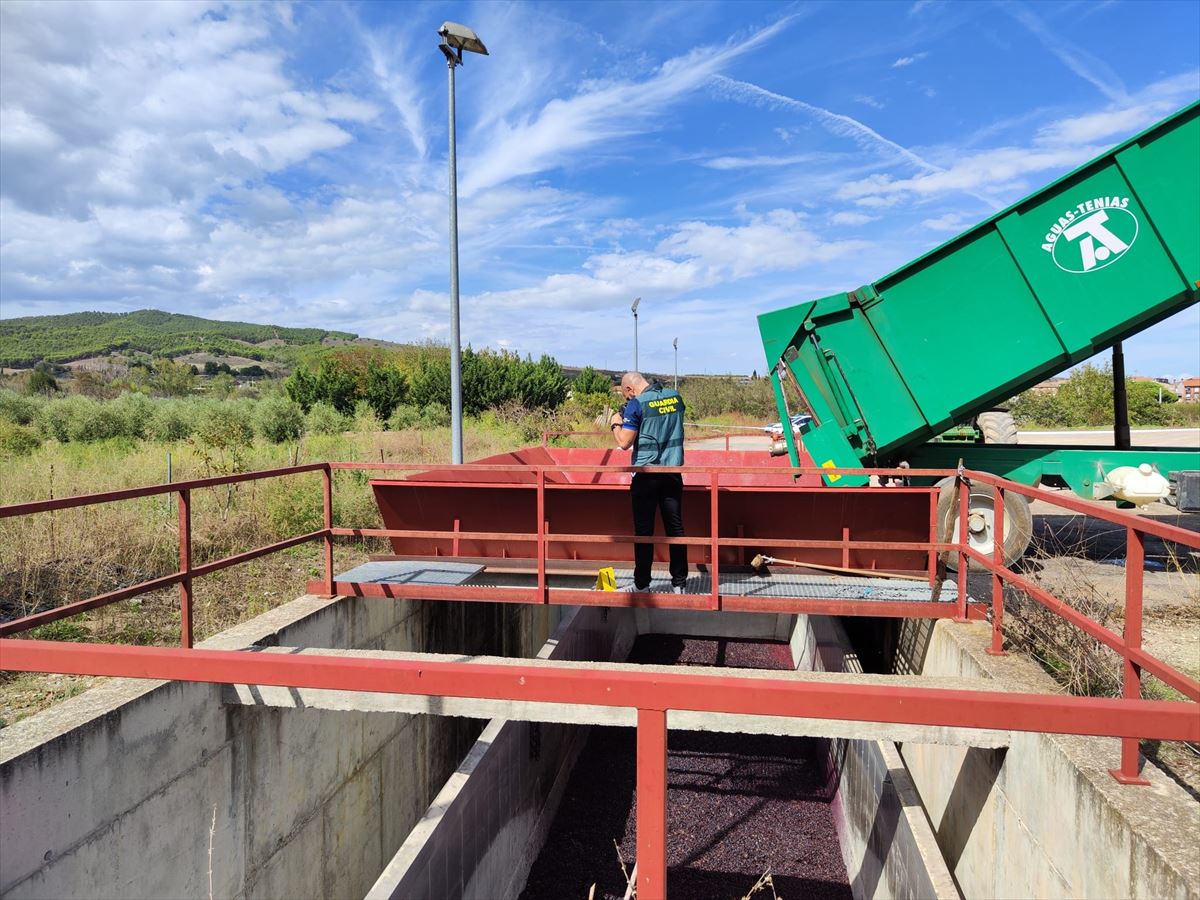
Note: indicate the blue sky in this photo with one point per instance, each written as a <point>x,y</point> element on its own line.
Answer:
<point>286,162</point>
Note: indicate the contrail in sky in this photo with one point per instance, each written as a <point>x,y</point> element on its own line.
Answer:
<point>837,123</point>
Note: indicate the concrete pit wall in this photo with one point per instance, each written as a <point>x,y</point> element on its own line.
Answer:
<point>483,832</point>
<point>1044,818</point>
<point>886,842</point>
<point>158,789</point>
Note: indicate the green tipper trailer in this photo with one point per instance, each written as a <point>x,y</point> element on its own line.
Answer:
<point>1096,256</point>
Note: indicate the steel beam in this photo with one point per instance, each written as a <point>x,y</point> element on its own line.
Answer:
<point>1052,714</point>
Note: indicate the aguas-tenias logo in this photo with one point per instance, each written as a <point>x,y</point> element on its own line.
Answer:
<point>1091,235</point>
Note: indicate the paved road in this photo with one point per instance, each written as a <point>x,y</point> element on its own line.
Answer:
<point>1139,437</point>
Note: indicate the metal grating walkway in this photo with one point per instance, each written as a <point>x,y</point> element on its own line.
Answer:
<point>778,584</point>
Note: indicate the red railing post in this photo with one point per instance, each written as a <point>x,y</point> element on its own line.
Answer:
<point>727,442</point>
<point>963,541</point>
<point>845,546</point>
<point>714,515</point>
<point>933,536</point>
<point>997,648</point>
<point>185,568</point>
<point>327,491</point>
<point>651,804</point>
<point>543,595</point>
<point>1131,680</point>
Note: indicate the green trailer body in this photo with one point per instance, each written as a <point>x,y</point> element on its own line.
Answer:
<point>1089,260</point>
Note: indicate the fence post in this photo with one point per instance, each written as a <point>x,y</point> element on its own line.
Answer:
<point>185,567</point>
<point>543,595</point>
<point>933,536</point>
<point>327,485</point>
<point>963,541</point>
<point>714,513</point>
<point>1131,681</point>
<point>651,804</point>
<point>997,648</point>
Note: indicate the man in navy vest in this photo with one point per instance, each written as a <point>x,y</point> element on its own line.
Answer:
<point>652,426</point>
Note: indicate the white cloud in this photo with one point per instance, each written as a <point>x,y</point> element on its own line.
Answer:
<point>601,111</point>
<point>852,218</point>
<point>868,100</point>
<point>727,163</point>
<point>990,172</point>
<point>948,222</point>
<point>908,60</point>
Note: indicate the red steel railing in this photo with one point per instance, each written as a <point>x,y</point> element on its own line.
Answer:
<point>1135,661</point>
<point>652,695</point>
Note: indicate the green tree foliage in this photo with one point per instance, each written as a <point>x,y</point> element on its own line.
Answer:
<point>1144,405</point>
<point>17,409</point>
<point>17,440</point>
<point>1086,399</point>
<point>1087,396</point>
<point>224,426</point>
<point>222,386</point>
<point>589,381</point>
<point>280,419</point>
<point>721,395</point>
<point>41,382</point>
<point>385,389</point>
<point>172,379</point>
<point>324,418</point>
<point>173,420</point>
<point>25,341</point>
<point>332,384</point>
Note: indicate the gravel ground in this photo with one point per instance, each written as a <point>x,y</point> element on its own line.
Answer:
<point>737,805</point>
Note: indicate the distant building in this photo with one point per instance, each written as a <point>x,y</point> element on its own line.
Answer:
<point>1049,386</point>
<point>1188,389</point>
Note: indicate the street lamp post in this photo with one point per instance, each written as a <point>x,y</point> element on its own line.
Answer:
<point>675,344</point>
<point>636,301</point>
<point>455,39</point>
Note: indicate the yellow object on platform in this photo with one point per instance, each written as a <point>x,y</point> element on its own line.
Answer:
<point>606,580</point>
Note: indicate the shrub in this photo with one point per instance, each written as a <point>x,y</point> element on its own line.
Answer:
<point>97,421</point>
<point>17,440</point>
<point>56,419</point>
<point>224,426</point>
<point>589,381</point>
<point>365,419</point>
<point>434,415</point>
<point>324,418</point>
<point>280,419</point>
<point>135,412</point>
<point>1186,413</point>
<point>172,421</point>
<point>17,409</point>
<point>403,417</point>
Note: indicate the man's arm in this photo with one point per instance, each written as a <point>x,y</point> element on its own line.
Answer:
<point>625,427</point>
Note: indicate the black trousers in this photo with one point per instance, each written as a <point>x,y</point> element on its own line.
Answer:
<point>651,491</point>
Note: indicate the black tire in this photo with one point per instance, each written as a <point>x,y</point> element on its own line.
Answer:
<point>998,427</point>
<point>1018,522</point>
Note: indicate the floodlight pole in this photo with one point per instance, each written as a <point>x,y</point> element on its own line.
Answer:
<point>456,428</point>
<point>635,334</point>
<point>675,344</point>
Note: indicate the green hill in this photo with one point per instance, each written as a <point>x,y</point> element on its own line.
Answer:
<point>60,339</point>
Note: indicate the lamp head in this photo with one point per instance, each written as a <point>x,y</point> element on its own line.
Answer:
<point>636,301</point>
<point>461,38</point>
<point>675,343</point>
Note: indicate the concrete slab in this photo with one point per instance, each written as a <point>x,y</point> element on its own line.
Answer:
<point>564,713</point>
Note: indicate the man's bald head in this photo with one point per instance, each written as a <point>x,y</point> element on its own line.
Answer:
<point>632,384</point>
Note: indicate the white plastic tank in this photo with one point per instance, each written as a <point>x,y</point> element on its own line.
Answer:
<point>1139,485</point>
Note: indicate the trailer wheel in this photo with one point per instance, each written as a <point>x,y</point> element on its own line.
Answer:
<point>981,502</point>
<point>998,427</point>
